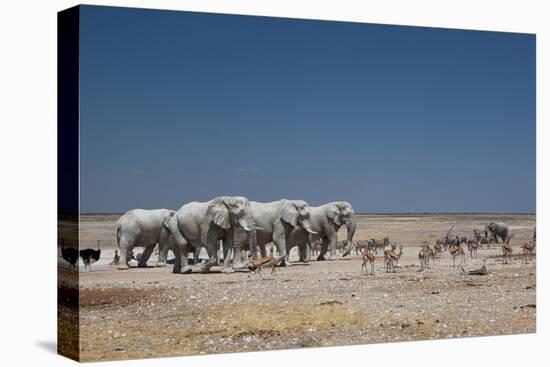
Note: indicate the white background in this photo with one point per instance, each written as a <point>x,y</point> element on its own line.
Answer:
<point>28,178</point>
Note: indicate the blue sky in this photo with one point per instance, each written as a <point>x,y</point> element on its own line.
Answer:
<point>179,106</point>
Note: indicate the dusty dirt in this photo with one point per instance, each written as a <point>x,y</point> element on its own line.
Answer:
<point>150,312</point>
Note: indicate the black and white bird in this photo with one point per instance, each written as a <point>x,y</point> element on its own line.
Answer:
<point>90,256</point>
<point>69,254</point>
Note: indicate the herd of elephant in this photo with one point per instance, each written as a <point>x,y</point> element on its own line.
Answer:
<point>242,226</point>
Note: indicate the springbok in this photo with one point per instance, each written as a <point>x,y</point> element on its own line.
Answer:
<point>368,255</point>
<point>457,251</point>
<point>424,257</point>
<point>431,253</point>
<point>438,249</point>
<point>259,263</point>
<point>507,250</point>
<point>371,246</point>
<point>473,247</point>
<point>528,249</point>
<point>450,242</point>
<point>441,243</point>
<point>390,256</point>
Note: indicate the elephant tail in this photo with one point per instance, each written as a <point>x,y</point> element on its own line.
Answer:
<point>118,235</point>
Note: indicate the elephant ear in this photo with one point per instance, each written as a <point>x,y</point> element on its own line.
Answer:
<point>332,213</point>
<point>218,214</point>
<point>289,214</point>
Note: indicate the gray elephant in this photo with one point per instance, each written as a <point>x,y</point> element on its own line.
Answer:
<point>326,220</point>
<point>198,224</point>
<point>497,230</point>
<point>275,222</point>
<point>144,228</point>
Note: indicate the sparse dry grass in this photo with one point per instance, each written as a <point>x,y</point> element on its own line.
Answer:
<point>150,312</point>
<point>260,319</point>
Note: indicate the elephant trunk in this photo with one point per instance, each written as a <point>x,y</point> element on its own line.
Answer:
<point>253,241</point>
<point>351,225</point>
<point>250,227</point>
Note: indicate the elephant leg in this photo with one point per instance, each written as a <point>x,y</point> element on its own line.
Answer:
<point>280,240</point>
<point>244,257</point>
<point>163,255</point>
<point>177,259</point>
<point>263,252</point>
<point>219,252</point>
<point>146,255</point>
<point>165,243</point>
<point>196,255</point>
<point>333,250</point>
<point>307,249</point>
<point>304,253</point>
<point>125,248</point>
<point>300,250</point>
<point>183,260</point>
<point>227,249</point>
<point>212,248</point>
<point>240,256</point>
<point>180,248</point>
<point>324,249</point>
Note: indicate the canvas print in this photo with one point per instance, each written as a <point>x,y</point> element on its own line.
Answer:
<point>235,183</point>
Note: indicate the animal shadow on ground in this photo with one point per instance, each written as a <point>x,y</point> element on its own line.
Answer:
<point>297,264</point>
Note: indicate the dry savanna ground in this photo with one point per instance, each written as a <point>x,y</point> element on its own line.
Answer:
<point>150,312</point>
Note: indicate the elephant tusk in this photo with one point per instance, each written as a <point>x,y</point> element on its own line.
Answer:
<point>248,229</point>
<point>310,231</point>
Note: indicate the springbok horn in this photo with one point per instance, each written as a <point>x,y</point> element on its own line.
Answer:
<point>448,233</point>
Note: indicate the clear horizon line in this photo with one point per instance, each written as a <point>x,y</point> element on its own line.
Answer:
<point>371,213</point>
